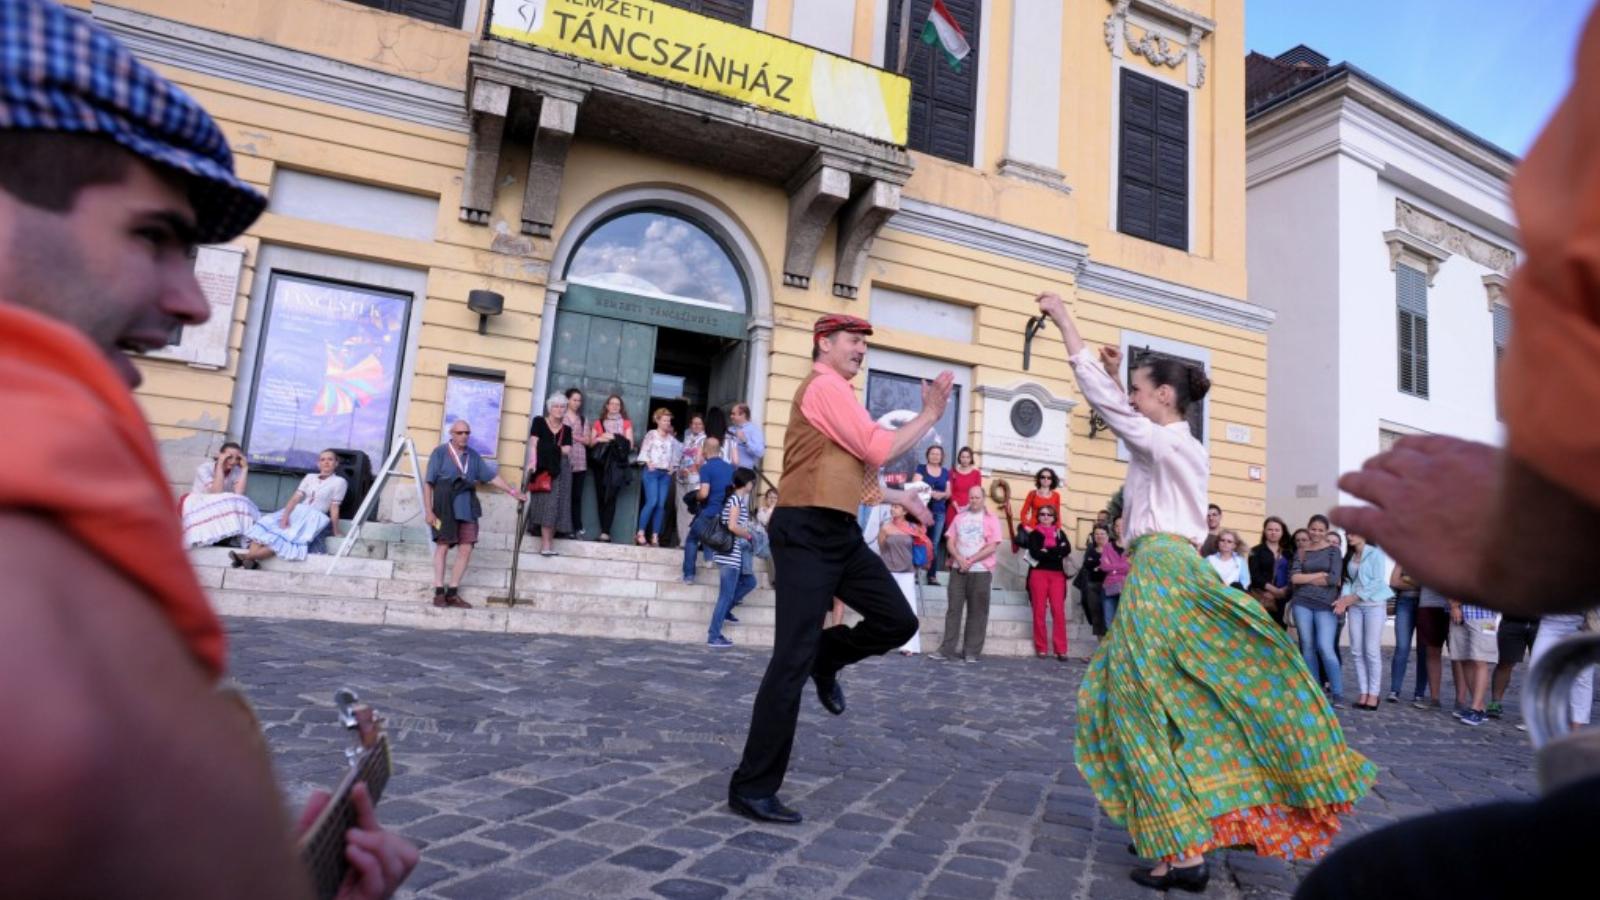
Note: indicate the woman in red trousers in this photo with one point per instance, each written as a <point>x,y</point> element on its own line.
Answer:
<point>1048,548</point>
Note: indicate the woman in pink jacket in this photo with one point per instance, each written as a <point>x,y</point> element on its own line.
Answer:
<point>1114,566</point>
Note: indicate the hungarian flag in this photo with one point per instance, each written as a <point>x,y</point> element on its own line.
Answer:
<point>942,31</point>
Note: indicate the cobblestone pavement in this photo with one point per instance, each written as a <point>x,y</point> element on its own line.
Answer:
<point>558,767</point>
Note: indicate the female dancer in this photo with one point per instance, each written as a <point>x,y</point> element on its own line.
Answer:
<point>1198,726</point>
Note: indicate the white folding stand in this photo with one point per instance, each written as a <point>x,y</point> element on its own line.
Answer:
<point>369,502</point>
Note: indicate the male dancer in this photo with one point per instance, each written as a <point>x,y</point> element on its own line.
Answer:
<point>831,446</point>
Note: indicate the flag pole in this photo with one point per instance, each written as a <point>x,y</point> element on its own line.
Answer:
<point>905,36</point>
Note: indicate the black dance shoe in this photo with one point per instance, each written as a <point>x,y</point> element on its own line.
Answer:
<point>1189,878</point>
<point>763,809</point>
<point>831,695</point>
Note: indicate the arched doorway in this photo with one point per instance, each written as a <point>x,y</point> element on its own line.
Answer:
<point>654,302</point>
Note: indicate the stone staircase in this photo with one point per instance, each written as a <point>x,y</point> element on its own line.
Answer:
<point>591,589</point>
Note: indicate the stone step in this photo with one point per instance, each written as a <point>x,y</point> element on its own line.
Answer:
<point>528,619</point>
<point>217,558</point>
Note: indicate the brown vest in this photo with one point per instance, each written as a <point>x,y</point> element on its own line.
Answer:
<point>817,471</point>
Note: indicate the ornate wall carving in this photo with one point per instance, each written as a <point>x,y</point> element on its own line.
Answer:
<point>1437,231</point>
<point>1187,31</point>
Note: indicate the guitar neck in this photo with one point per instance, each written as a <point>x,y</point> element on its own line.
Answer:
<point>322,846</point>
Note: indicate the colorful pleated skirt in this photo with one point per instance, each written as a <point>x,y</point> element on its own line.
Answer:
<point>1198,726</point>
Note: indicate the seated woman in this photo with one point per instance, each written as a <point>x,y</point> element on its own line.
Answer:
<point>216,509</point>
<point>289,532</point>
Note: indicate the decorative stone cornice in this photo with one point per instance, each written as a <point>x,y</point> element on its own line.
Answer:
<point>1452,238</point>
<point>259,64</point>
<point>1167,35</point>
<point>974,232</point>
<point>1027,389</point>
<point>1406,246</point>
<point>1495,287</point>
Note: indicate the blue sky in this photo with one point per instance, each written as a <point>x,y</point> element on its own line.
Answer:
<point>1496,67</point>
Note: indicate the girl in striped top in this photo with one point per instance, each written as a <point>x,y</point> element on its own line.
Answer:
<point>736,568</point>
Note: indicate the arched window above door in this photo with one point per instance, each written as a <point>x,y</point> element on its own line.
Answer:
<point>658,253</point>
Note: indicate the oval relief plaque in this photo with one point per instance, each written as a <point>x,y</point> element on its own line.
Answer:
<point>1026,417</point>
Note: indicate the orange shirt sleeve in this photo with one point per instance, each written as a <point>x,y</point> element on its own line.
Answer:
<point>831,407</point>
<point>1549,381</point>
<point>88,423</point>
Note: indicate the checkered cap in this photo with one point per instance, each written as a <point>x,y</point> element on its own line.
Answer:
<point>837,322</point>
<point>59,71</point>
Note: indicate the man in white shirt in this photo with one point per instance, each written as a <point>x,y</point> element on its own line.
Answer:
<point>972,538</point>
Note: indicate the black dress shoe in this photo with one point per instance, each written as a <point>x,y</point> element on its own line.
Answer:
<point>831,695</point>
<point>1189,878</point>
<point>763,809</point>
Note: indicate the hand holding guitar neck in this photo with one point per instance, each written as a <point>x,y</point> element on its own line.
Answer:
<point>342,844</point>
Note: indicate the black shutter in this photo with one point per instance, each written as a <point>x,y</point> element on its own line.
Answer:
<point>439,12</point>
<point>944,101</point>
<point>739,12</point>
<point>1153,161</point>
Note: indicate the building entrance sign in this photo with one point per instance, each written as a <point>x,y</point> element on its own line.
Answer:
<point>583,298</point>
<point>749,66</point>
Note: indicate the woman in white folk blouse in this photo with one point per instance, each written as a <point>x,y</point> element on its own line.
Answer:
<point>289,532</point>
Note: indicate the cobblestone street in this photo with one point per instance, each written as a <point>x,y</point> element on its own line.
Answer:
<point>574,767</point>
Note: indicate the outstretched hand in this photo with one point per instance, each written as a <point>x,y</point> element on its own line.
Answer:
<point>936,393</point>
<point>380,860</point>
<point>1432,505</point>
<point>1051,306</point>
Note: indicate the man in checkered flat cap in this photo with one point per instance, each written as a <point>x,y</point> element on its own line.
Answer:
<point>123,772</point>
<point>831,449</point>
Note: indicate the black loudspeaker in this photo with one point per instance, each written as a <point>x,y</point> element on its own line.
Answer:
<point>355,467</point>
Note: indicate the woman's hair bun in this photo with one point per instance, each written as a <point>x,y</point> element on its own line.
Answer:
<point>1199,384</point>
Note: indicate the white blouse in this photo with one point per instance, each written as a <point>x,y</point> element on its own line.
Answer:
<point>206,471</point>
<point>1167,468</point>
<point>322,493</point>
<point>1229,570</point>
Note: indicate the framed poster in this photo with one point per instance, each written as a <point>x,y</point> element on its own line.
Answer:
<point>327,371</point>
<point>892,399</point>
<point>475,395</point>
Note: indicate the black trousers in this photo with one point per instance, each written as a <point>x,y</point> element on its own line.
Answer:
<point>577,500</point>
<point>818,554</point>
<point>1536,848</point>
<point>606,499</point>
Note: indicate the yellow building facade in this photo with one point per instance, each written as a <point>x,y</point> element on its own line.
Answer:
<point>654,237</point>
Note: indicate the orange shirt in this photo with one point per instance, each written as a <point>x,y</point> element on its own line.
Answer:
<point>1035,502</point>
<point>1550,378</point>
<point>91,467</point>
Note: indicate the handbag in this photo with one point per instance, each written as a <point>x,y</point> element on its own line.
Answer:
<point>541,483</point>
<point>919,556</point>
<point>714,533</point>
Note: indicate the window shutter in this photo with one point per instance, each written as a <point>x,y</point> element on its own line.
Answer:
<point>1411,298</point>
<point>944,102</point>
<point>736,11</point>
<point>1502,329</point>
<point>1153,161</point>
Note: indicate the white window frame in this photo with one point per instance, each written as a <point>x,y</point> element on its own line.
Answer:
<point>1195,352</point>
<point>894,362</point>
<point>314,264</point>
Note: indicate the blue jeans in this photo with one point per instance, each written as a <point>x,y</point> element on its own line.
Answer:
<point>1317,627</point>
<point>735,585</point>
<point>1109,603</point>
<point>1405,624</point>
<point>691,544</point>
<point>657,488</point>
<point>936,534</point>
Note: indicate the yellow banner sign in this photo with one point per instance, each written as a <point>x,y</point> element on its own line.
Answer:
<point>711,55</point>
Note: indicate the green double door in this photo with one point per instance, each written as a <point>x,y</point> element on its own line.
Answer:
<point>605,343</point>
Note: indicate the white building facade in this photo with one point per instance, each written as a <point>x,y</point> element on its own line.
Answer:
<point>1382,236</point>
